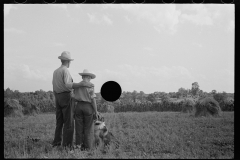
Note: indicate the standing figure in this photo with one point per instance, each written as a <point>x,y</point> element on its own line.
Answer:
<point>62,89</point>
<point>85,113</point>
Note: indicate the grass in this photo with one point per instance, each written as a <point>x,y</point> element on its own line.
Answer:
<point>141,135</point>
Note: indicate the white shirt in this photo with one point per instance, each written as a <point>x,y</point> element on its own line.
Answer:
<point>62,80</point>
<point>84,94</point>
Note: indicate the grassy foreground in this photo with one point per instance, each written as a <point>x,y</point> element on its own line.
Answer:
<point>141,135</point>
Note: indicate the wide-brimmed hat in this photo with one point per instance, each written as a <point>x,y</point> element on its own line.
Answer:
<point>65,56</point>
<point>87,73</point>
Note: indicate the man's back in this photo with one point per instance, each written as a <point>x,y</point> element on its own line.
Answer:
<point>60,76</point>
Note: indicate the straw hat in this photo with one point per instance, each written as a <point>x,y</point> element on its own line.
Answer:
<point>87,73</point>
<point>65,56</point>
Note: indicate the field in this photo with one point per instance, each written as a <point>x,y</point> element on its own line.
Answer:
<point>141,135</point>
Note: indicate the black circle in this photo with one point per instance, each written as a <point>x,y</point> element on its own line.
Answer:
<point>108,1</point>
<point>227,1</point>
<point>197,1</point>
<point>111,91</point>
<point>20,1</point>
<point>79,1</point>
<point>49,1</point>
<point>168,1</point>
<point>138,1</point>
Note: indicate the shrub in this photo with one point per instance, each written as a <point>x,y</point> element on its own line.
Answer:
<point>12,108</point>
<point>188,105</point>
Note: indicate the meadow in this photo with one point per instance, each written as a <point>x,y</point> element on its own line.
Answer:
<point>141,135</point>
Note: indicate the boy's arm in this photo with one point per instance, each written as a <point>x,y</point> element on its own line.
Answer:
<point>93,100</point>
<point>94,104</point>
<point>82,84</point>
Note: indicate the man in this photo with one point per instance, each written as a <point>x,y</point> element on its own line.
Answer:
<point>62,88</point>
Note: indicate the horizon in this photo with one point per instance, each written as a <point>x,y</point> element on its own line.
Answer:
<point>99,92</point>
<point>142,47</point>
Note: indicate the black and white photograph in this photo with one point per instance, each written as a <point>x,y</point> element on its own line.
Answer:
<point>119,81</point>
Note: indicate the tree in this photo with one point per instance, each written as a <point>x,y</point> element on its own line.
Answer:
<point>141,95</point>
<point>172,95</point>
<point>201,94</point>
<point>165,97</point>
<point>220,97</point>
<point>126,97</point>
<point>195,88</point>
<point>213,92</point>
<point>134,96</point>
<point>8,93</point>
<point>151,97</point>
<point>17,94</point>
<point>178,94</point>
<point>183,92</point>
<point>52,96</point>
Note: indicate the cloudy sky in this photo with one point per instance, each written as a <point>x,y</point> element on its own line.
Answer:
<point>142,47</point>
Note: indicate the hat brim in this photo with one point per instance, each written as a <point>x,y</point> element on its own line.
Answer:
<point>88,74</point>
<point>63,58</point>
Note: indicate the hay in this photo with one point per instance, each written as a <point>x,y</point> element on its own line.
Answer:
<point>207,106</point>
<point>32,109</point>
<point>188,105</point>
<point>110,109</point>
<point>12,108</point>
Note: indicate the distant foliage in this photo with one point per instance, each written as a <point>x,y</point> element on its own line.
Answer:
<point>105,108</point>
<point>33,102</point>
<point>188,105</point>
<point>148,106</point>
<point>41,101</point>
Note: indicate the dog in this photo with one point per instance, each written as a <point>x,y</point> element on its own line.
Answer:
<point>101,134</point>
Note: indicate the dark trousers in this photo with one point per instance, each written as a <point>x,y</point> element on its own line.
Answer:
<point>64,120</point>
<point>84,127</point>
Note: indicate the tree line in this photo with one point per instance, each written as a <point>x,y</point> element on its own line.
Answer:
<point>43,101</point>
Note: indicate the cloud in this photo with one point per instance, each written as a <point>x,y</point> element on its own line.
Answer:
<point>200,76</point>
<point>161,73</point>
<point>7,8</point>
<point>162,17</point>
<point>93,19</point>
<point>16,71</point>
<point>61,6</point>
<point>107,20</point>
<point>226,72</point>
<point>202,16</point>
<point>14,30</point>
<point>223,79</point>
<point>167,17</point>
<point>57,44</point>
<point>223,76</point>
<point>127,19</point>
<point>148,48</point>
<point>148,78</point>
<point>79,6</point>
<point>149,51</point>
<point>101,20</point>
<point>197,44</point>
<point>115,73</point>
<point>32,74</point>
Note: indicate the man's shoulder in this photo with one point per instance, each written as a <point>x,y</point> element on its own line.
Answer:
<point>61,69</point>
<point>65,69</point>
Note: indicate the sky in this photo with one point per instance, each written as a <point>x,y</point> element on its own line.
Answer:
<point>142,47</point>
